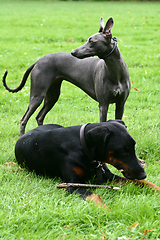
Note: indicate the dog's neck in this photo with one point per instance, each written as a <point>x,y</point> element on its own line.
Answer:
<point>97,164</point>
<point>84,144</point>
<point>106,55</point>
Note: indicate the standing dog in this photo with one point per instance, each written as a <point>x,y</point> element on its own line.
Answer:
<point>105,79</point>
<point>77,153</point>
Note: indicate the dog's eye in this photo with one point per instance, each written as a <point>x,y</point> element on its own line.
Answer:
<point>90,40</point>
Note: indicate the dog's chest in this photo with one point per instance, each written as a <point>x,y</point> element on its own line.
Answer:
<point>117,91</point>
<point>120,90</point>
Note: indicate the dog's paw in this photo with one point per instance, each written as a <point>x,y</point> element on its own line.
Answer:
<point>96,199</point>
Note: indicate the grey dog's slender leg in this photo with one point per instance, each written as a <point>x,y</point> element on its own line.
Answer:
<point>33,105</point>
<point>51,98</point>
<point>119,111</point>
<point>103,112</point>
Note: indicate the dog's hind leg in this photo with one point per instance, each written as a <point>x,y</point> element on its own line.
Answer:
<point>33,105</point>
<point>51,98</point>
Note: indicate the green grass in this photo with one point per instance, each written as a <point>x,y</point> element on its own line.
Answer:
<point>30,206</point>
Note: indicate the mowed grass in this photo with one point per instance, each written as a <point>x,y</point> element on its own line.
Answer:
<point>30,206</point>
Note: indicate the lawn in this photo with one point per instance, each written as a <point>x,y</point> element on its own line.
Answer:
<point>30,206</point>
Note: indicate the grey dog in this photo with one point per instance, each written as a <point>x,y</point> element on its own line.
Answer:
<point>105,79</point>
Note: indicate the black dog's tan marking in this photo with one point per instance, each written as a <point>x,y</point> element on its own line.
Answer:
<point>53,150</point>
<point>79,171</point>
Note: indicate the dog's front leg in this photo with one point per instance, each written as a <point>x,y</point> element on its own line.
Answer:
<point>103,109</point>
<point>117,179</point>
<point>119,110</point>
<point>89,196</point>
<point>147,184</point>
<point>96,199</point>
<point>142,183</point>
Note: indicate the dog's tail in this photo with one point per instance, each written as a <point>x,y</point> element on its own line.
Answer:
<point>24,79</point>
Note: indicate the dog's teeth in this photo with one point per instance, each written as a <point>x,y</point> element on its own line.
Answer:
<point>121,170</point>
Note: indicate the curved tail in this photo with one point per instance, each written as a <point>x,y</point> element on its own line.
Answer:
<point>24,79</point>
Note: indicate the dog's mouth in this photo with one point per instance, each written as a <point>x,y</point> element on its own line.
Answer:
<point>124,170</point>
<point>75,54</point>
<point>131,175</point>
<point>86,56</point>
<point>131,171</point>
<point>125,173</point>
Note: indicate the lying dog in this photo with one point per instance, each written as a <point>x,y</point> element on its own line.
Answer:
<point>77,153</point>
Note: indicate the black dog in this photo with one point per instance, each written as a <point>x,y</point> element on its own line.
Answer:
<point>76,153</point>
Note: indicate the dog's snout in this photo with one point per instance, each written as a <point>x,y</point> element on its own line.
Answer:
<point>143,175</point>
<point>136,174</point>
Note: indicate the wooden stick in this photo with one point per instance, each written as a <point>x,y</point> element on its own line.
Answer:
<point>64,185</point>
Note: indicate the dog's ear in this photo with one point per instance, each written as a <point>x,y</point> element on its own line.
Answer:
<point>108,27</point>
<point>118,121</point>
<point>101,25</point>
<point>121,122</point>
<point>98,135</point>
<point>96,141</point>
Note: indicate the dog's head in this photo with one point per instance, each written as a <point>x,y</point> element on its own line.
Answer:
<point>99,44</point>
<point>111,143</point>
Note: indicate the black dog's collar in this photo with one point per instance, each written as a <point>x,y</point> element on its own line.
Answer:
<point>115,44</point>
<point>83,142</point>
<point>98,165</point>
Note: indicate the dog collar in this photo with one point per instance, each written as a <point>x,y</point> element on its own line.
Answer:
<point>83,142</point>
<point>115,44</point>
<point>98,165</point>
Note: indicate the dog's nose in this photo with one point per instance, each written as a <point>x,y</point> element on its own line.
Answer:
<point>73,52</point>
<point>143,175</point>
